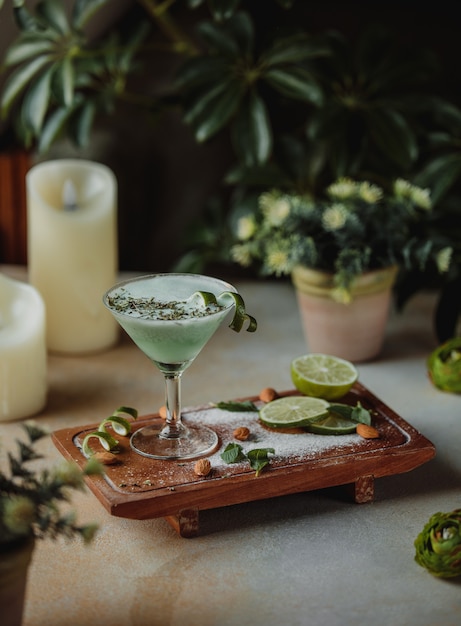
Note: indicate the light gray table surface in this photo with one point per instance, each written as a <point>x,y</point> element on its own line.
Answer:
<point>310,559</point>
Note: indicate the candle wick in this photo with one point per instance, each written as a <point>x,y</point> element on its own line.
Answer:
<point>69,196</point>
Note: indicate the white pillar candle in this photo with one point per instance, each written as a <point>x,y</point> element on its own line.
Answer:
<point>23,383</point>
<point>72,251</point>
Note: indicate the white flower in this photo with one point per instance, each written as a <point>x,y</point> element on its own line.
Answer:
<point>402,188</point>
<point>241,254</point>
<point>278,258</point>
<point>443,259</point>
<point>370,193</point>
<point>334,217</point>
<point>342,189</point>
<point>274,207</point>
<point>421,197</point>
<point>246,227</point>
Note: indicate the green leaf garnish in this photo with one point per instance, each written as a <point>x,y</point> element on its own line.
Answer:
<point>356,414</point>
<point>259,458</point>
<point>245,406</point>
<point>233,453</point>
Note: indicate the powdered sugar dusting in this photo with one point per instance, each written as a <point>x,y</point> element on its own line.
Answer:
<point>288,447</point>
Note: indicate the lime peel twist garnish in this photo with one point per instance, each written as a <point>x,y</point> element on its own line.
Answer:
<point>120,425</point>
<point>240,314</point>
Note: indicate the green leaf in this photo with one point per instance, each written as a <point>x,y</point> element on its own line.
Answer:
<point>232,39</point>
<point>82,122</point>
<point>84,9</point>
<point>36,101</point>
<point>393,136</point>
<point>200,70</point>
<point>294,50</point>
<point>25,48</point>
<point>218,40</point>
<point>232,453</point>
<point>252,133</point>
<point>219,112</point>
<point>296,83</point>
<point>223,9</point>
<point>24,18</point>
<point>53,125</point>
<point>19,79</point>
<point>246,406</point>
<point>354,413</point>
<point>440,175</point>
<point>64,81</point>
<point>241,29</point>
<point>204,100</point>
<point>54,14</point>
<point>259,459</point>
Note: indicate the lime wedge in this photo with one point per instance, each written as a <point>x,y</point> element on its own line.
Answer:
<point>293,411</point>
<point>323,375</point>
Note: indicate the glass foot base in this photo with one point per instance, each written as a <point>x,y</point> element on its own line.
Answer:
<point>193,443</point>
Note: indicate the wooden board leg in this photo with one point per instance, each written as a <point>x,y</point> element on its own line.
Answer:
<point>364,489</point>
<point>185,522</point>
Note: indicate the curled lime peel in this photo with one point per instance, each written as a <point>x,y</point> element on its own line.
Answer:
<point>240,314</point>
<point>119,424</point>
<point>126,410</point>
<point>105,439</point>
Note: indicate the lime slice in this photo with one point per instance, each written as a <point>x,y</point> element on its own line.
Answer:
<point>293,411</point>
<point>332,424</point>
<point>323,375</point>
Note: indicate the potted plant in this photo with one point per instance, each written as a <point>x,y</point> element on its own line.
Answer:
<point>343,251</point>
<point>29,510</point>
<point>268,98</point>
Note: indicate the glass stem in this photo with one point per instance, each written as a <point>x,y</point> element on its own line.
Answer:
<point>173,427</point>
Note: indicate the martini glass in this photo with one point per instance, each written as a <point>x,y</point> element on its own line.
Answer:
<point>171,317</point>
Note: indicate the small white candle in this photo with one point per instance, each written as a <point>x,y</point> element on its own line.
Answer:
<point>23,383</point>
<point>72,251</point>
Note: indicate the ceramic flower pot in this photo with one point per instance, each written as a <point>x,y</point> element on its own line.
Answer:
<point>14,565</point>
<point>353,331</point>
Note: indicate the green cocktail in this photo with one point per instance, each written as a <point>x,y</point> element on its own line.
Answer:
<point>171,317</point>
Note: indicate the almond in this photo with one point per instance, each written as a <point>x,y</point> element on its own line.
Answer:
<point>268,394</point>
<point>106,458</point>
<point>242,433</point>
<point>202,467</point>
<point>367,432</point>
<point>162,412</point>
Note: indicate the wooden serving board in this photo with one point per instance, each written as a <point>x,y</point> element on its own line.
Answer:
<point>141,488</point>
